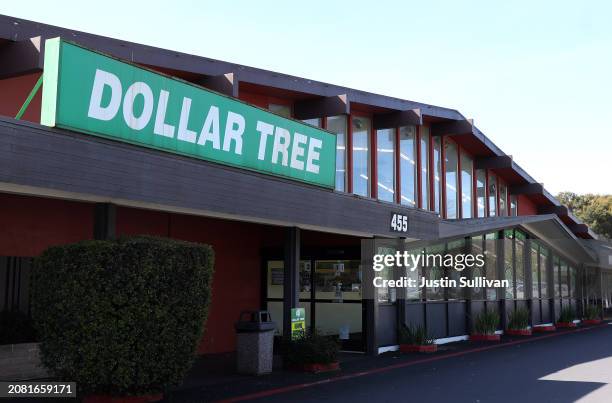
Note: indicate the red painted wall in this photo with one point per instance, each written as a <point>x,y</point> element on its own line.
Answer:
<point>526,206</point>
<point>29,225</point>
<point>14,92</point>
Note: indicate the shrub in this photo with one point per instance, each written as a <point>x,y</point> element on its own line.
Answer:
<point>591,312</point>
<point>486,322</point>
<point>16,327</point>
<point>311,348</point>
<point>567,314</point>
<point>518,319</point>
<point>415,335</point>
<point>121,317</point>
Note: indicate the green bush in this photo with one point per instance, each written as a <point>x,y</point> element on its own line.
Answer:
<point>415,335</point>
<point>311,348</point>
<point>567,314</point>
<point>121,317</point>
<point>16,327</point>
<point>486,322</point>
<point>518,319</point>
<point>592,312</point>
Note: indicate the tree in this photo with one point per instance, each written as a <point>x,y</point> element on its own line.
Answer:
<point>594,210</point>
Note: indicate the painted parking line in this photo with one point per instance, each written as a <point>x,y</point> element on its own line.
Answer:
<point>291,388</point>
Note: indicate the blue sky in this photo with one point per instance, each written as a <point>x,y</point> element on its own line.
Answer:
<point>535,76</point>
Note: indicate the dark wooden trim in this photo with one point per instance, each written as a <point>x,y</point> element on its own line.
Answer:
<point>291,280</point>
<point>22,57</point>
<point>397,119</point>
<point>322,107</point>
<point>498,162</point>
<point>224,83</point>
<point>526,189</point>
<point>453,128</point>
<point>558,210</point>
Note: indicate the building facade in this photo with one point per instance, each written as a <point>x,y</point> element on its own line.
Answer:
<point>280,241</point>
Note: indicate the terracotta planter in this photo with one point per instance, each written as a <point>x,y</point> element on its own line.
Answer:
<point>566,325</point>
<point>485,337</point>
<point>592,321</point>
<point>519,332</point>
<point>123,399</point>
<point>317,368</point>
<point>542,329</point>
<point>418,348</point>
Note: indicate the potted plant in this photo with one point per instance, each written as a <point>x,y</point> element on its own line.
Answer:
<point>416,339</point>
<point>485,326</point>
<point>126,325</point>
<point>591,315</point>
<point>518,323</point>
<point>312,352</point>
<point>566,318</point>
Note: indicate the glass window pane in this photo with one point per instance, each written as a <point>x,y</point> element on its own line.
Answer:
<point>509,263</point>
<point>513,205</point>
<point>572,282</point>
<point>413,293</point>
<point>337,124</point>
<point>543,277</point>
<point>425,167</point>
<point>408,165</point>
<point>437,166</point>
<point>467,166</point>
<point>456,247</point>
<point>338,280</point>
<point>491,248</point>
<point>535,281</point>
<point>385,161</point>
<point>450,159</point>
<point>435,272</point>
<point>519,245</point>
<point>556,268</point>
<point>313,122</point>
<point>564,280</point>
<point>480,192</point>
<point>503,199</point>
<point>478,271</point>
<point>492,195</point>
<point>283,110</point>
<point>361,156</point>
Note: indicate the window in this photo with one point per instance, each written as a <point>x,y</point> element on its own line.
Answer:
<point>491,248</point>
<point>408,165</point>
<point>316,122</point>
<point>437,166</point>
<point>519,264</point>
<point>509,263</point>
<point>535,273</point>
<point>425,167</point>
<point>337,124</point>
<point>435,272</point>
<point>385,161</point>
<point>492,195</point>
<point>481,183</point>
<point>503,199</point>
<point>450,159</point>
<point>572,283</point>
<point>361,156</point>
<point>556,268</point>
<point>283,110</point>
<point>456,247</point>
<point>414,293</point>
<point>564,280</point>
<point>543,277</point>
<point>467,169</point>
<point>513,205</point>
<point>478,271</point>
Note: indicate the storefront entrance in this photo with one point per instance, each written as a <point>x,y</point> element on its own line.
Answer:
<point>330,292</point>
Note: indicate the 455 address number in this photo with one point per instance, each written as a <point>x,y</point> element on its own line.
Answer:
<point>399,222</point>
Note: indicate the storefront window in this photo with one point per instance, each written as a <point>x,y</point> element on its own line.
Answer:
<point>456,247</point>
<point>337,124</point>
<point>467,169</point>
<point>543,276</point>
<point>386,294</point>
<point>513,205</point>
<point>564,280</point>
<point>503,199</point>
<point>316,122</point>
<point>556,269</point>
<point>519,264</point>
<point>481,183</point>
<point>437,166</point>
<point>572,282</point>
<point>478,271</point>
<point>385,160</point>
<point>535,280</point>
<point>283,110</point>
<point>434,272</point>
<point>361,156</point>
<point>450,158</point>
<point>414,293</point>
<point>492,195</point>
<point>425,138</point>
<point>491,248</point>
<point>509,263</point>
<point>408,165</point>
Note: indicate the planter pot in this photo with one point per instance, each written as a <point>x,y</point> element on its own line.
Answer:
<point>592,321</point>
<point>566,325</point>
<point>418,348</point>
<point>519,332</point>
<point>485,337</point>
<point>317,368</point>
<point>123,399</point>
<point>541,329</point>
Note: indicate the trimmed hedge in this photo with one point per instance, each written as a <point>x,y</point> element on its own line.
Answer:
<point>121,317</point>
<point>311,348</point>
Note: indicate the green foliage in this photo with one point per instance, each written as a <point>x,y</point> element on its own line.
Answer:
<point>16,327</point>
<point>567,314</point>
<point>486,322</point>
<point>311,348</point>
<point>518,319</point>
<point>415,335</point>
<point>592,312</point>
<point>594,210</point>
<point>121,317</point>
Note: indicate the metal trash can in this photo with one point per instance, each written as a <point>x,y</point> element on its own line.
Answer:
<point>255,342</point>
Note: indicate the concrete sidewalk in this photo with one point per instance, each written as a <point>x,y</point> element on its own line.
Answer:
<point>214,378</point>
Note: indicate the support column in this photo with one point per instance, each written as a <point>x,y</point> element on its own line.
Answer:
<point>370,297</point>
<point>105,221</point>
<point>291,277</point>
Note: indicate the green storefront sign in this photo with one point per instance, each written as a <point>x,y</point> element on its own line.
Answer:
<point>89,92</point>
<point>298,322</point>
